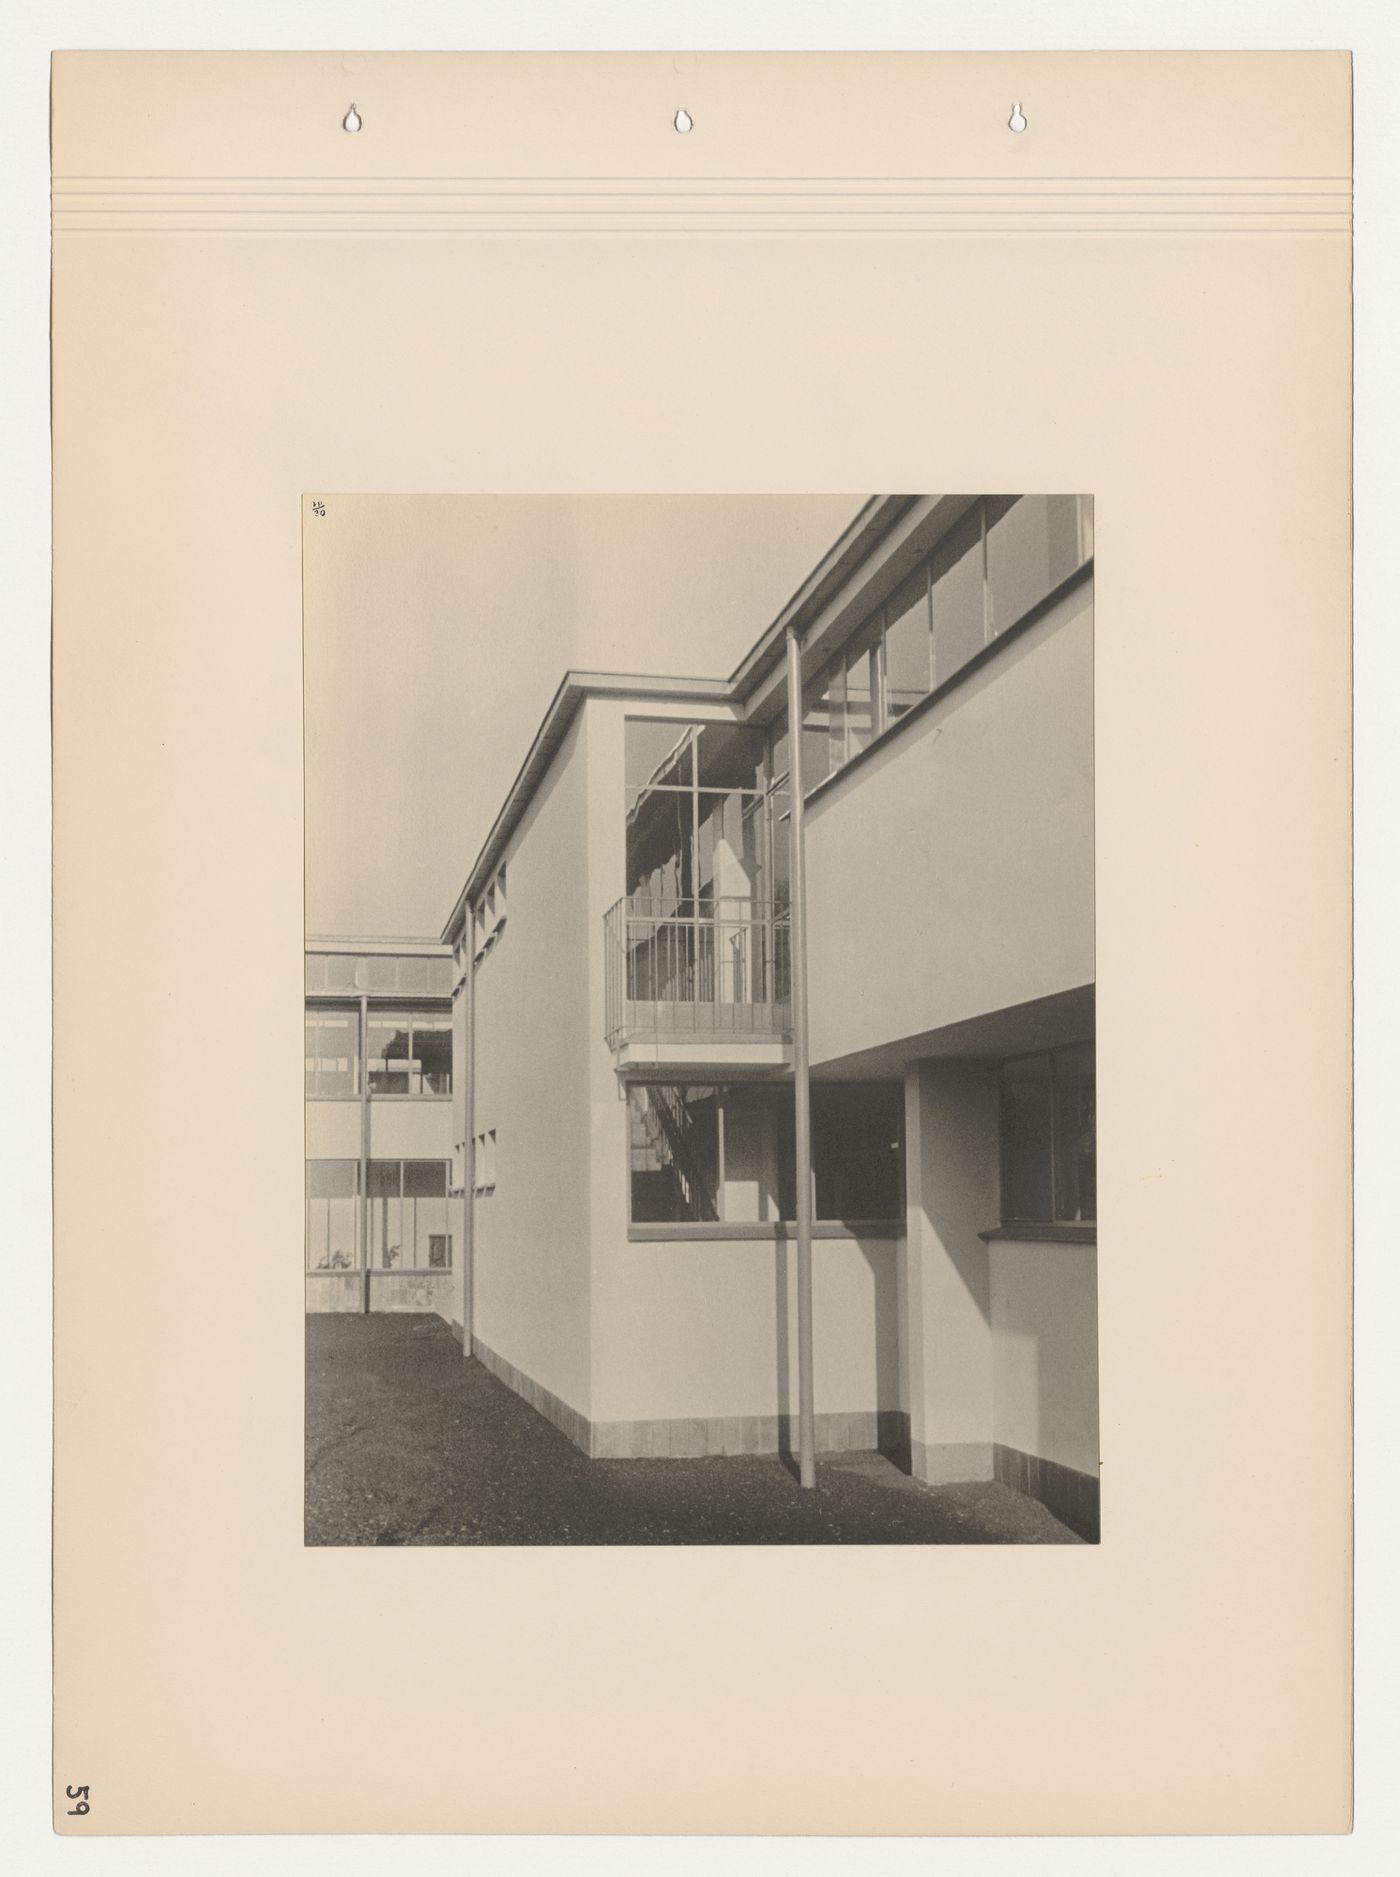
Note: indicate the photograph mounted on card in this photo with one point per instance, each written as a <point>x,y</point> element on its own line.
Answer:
<point>824,1003</point>
<point>560,1287</point>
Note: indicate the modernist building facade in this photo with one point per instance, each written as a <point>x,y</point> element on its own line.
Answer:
<point>621,981</point>
<point>384,1217</point>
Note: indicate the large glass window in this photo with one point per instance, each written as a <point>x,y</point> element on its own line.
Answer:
<point>1048,1144</point>
<point>408,1223</point>
<point>729,863</point>
<point>333,1053</point>
<point>729,756</point>
<point>706,864</point>
<point>332,1209</point>
<point>427,1241</point>
<point>691,789</point>
<point>1031,547</point>
<point>432,1044</point>
<point>726,1154</point>
<point>385,1189</point>
<point>1027,1136</point>
<point>659,754</point>
<point>751,1173</point>
<point>862,699</point>
<point>908,647</point>
<point>814,747</point>
<point>674,1153</point>
<point>956,597</point>
<point>857,1151</point>
<point>996,562</point>
<point>1076,1183</point>
<point>389,1052</point>
<point>661,848</point>
<point>409,1053</point>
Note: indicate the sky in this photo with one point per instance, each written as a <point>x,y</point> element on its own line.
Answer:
<point>437,628</point>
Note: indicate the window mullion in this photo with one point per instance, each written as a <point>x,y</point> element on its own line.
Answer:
<point>719,1129</point>
<point>877,665</point>
<point>986,584</point>
<point>693,974</point>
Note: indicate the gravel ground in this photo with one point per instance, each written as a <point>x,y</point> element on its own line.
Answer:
<point>407,1443</point>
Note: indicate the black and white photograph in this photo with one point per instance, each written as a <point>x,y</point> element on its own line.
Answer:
<point>700,1124</point>
<point>507,625</point>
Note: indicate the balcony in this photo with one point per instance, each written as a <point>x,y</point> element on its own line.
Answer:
<point>704,982</point>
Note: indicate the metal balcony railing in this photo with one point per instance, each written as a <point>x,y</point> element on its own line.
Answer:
<point>712,966</point>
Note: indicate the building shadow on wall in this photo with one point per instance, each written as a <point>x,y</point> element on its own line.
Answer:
<point>891,1435</point>
<point>784,1254</point>
<point>1031,1366</point>
<point>891,1417</point>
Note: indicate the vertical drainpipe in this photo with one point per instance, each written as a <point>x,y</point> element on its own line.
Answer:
<point>801,1073</point>
<point>469,1149</point>
<point>364,1141</point>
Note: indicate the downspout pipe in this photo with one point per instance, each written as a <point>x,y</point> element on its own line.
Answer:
<point>801,1071</point>
<point>469,1149</point>
<point>364,1141</point>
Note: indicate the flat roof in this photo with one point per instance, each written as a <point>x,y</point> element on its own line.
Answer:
<point>881,515</point>
<point>874,521</point>
<point>575,686</point>
<point>380,947</point>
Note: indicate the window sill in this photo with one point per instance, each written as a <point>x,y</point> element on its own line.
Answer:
<point>717,1231</point>
<point>1043,1234</point>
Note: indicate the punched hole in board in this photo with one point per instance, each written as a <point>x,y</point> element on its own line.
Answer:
<point>1017,119</point>
<point>683,121</point>
<point>351,120</point>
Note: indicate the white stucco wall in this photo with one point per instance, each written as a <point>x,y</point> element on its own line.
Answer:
<point>1001,1337</point>
<point>950,1125</point>
<point>412,1291</point>
<point>951,872</point>
<point>652,1330</point>
<point>706,1328</point>
<point>1045,1350</point>
<point>697,1329</point>
<point>333,1130</point>
<point>535,1021</point>
<point>410,1128</point>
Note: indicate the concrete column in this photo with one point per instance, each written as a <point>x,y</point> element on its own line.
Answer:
<point>945,1291</point>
